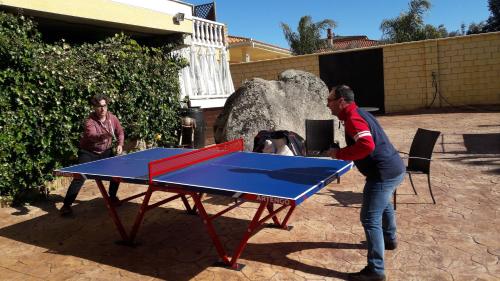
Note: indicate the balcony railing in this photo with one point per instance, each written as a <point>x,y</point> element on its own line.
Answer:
<point>208,33</point>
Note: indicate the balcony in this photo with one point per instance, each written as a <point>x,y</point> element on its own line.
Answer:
<point>208,33</point>
<point>207,81</point>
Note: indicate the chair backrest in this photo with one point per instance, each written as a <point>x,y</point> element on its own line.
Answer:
<point>319,135</point>
<point>422,147</point>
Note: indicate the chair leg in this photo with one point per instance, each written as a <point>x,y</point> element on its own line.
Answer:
<point>413,186</point>
<point>430,189</point>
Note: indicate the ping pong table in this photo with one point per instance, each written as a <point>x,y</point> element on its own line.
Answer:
<point>276,182</point>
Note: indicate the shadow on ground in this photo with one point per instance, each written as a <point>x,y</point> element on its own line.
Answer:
<point>171,244</point>
<point>480,150</point>
<point>47,204</point>
<point>344,198</point>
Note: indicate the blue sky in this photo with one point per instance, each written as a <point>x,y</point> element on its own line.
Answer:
<point>260,20</point>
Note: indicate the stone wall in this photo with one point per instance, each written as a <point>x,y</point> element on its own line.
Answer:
<point>269,69</point>
<point>465,70</point>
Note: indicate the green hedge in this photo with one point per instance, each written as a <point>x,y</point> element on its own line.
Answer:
<point>45,91</point>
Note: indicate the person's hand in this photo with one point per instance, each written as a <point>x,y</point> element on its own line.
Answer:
<point>119,149</point>
<point>332,152</point>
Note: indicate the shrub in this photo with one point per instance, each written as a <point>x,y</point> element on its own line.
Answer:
<point>45,91</point>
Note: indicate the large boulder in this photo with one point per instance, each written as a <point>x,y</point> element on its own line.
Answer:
<point>273,105</point>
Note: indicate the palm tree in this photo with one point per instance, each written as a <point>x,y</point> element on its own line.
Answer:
<point>307,39</point>
<point>410,26</point>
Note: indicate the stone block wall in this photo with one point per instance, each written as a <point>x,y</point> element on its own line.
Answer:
<point>269,69</point>
<point>407,68</point>
<point>442,72</point>
<point>469,69</point>
<point>465,70</point>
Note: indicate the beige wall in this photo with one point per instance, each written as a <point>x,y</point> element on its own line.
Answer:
<point>466,70</point>
<point>108,13</point>
<point>270,69</point>
<point>407,74</point>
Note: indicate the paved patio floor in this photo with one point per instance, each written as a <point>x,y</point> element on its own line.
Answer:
<point>456,239</point>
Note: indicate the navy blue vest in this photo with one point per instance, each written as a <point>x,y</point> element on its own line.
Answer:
<point>384,162</point>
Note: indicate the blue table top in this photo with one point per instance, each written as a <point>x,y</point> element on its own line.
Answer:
<point>288,177</point>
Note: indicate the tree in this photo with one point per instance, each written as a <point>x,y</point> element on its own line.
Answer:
<point>431,31</point>
<point>409,25</point>
<point>476,28</point>
<point>493,22</point>
<point>307,39</point>
<point>460,32</point>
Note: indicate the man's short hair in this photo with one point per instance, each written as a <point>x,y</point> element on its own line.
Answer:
<point>343,91</point>
<point>97,98</point>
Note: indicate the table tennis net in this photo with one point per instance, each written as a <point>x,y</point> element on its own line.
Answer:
<point>176,162</point>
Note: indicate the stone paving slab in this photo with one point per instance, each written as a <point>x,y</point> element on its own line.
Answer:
<point>456,239</point>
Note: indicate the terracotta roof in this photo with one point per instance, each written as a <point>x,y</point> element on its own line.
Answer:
<point>339,42</point>
<point>349,42</point>
<point>351,37</point>
<point>235,39</point>
<point>238,39</point>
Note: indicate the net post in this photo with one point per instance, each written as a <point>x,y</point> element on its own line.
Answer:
<point>150,175</point>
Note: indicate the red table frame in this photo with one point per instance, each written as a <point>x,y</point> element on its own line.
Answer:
<point>225,260</point>
<point>179,161</point>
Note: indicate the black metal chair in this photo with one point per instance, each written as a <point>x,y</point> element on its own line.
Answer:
<point>319,136</point>
<point>419,158</point>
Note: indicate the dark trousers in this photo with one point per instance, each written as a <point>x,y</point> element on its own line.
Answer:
<point>77,183</point>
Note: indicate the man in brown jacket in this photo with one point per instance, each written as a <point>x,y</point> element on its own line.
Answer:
<point>101,129</point>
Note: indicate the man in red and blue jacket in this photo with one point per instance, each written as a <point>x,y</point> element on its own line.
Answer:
<point>377,159</point>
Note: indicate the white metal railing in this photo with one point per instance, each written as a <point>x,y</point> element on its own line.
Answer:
<point>208,77</point>
<point>208,33</point>
<point>207,80</point>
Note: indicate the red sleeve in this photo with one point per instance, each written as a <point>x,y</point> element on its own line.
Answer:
<point>357,128</point>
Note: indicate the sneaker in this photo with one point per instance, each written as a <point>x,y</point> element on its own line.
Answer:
<point>391,244</point>
<point>65,211</point>
<point>366,274</point>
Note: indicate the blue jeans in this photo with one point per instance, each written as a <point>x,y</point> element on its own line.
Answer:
<point>378,219</point>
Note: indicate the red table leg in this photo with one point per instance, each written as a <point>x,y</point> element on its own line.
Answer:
<point>112,211</point>
<point>211,230</point>
<point>270,208</point>
<point>277,223</point>
<point>254,225</point>
<point>140,214</point>
<point>146,207</point>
